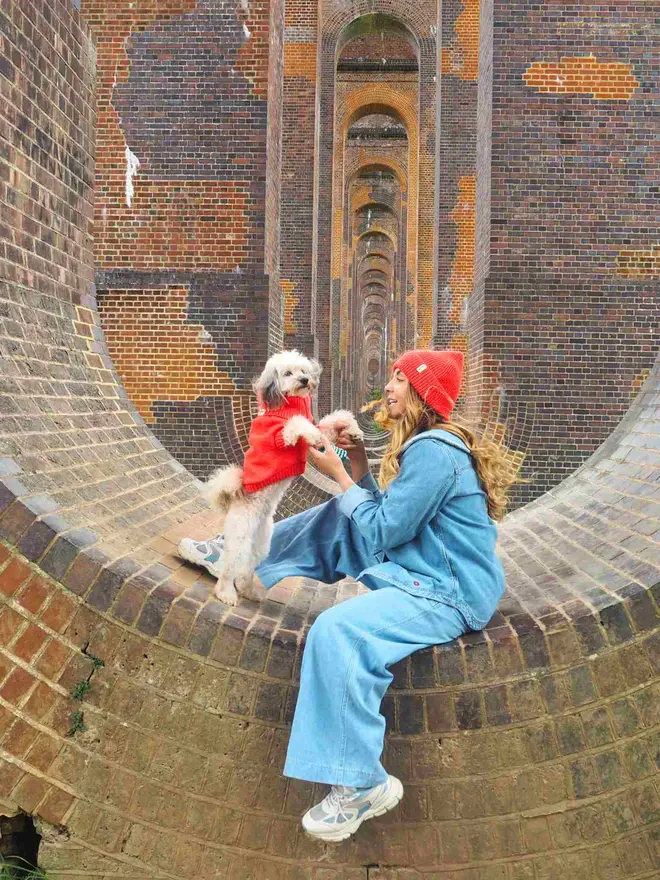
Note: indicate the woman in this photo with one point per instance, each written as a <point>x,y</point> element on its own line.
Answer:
<point>423,542</point>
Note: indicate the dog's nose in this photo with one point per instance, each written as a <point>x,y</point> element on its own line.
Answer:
<point>304,380</point>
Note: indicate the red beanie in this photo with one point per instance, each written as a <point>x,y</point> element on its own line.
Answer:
<point>435,376</point>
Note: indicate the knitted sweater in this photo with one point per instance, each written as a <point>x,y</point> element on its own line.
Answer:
<point>268,460</point>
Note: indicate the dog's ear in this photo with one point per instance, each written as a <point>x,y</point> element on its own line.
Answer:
<point>267,387</point>
<point>315,369</point>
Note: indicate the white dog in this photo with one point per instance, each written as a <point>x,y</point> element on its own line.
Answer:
<point>279,439</point>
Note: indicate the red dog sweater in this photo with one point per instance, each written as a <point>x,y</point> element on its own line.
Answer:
<point>268,460</point>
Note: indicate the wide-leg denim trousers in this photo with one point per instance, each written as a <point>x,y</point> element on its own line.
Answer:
<point>338,730</point>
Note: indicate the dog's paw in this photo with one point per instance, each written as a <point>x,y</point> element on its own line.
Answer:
<point>339,420</point>
<point>299,426</point>
<point>314,437</point>
<point>225,593</point>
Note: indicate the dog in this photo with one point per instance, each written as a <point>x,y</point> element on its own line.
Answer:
<point>279,438</point>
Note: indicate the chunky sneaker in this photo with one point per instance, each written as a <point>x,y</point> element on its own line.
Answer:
<point>208,554</point>
<point>341,813</point>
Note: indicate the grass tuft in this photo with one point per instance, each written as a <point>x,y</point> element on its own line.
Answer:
<point>77,723</point>
<point>14,870</point>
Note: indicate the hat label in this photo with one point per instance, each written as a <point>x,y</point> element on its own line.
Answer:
<point>421,368</point>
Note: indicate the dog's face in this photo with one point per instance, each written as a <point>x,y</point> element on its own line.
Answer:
<point>287,374</point>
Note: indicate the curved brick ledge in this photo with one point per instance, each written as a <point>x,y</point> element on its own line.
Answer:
<point>531,747</point>
<point>527,751</point>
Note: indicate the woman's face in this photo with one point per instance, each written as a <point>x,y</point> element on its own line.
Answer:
<point>395,394</point>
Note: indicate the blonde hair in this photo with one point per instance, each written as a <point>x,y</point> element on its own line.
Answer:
<point>497,466</point>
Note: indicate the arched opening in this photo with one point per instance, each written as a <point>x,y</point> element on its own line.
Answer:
<point>375,153</point>
<point>376,43</point>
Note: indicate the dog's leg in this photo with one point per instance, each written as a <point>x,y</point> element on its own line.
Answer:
<point>234,527</point>
<point>264,532</point>
<point>297,427</point>
<point>262,539</point>
<point>265,505</point>
<point>329,425</point>
<point>241,542</point>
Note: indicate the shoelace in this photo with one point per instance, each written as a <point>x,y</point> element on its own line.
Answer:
<point>334,800</point>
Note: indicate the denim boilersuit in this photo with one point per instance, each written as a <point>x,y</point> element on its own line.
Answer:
<point>426,550</point>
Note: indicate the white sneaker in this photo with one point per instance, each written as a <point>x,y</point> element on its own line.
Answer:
<point>344,809</point>
<point>208,554</point>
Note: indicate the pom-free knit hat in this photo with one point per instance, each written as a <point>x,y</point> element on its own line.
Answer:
<point>435,376</point>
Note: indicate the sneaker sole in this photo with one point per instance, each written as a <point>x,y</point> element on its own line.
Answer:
<point>190,557</point>
<point>393,797</point>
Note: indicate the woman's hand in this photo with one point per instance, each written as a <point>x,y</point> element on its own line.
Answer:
<point>329,463</point>
<point>357,454</point>
<point>344,441</point>
<point>327,460</point>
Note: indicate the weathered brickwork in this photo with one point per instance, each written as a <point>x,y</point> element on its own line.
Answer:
<point>143,720</point>
<point>366,70</point>
<point>298,155</point>
<point>570,307</point>
<point>461,58</point>
<point>583,76</point>
<point>528,749</point>
<point>461,280</point>
<point>201,193</point>
<point>369,47</point>
<point>196,212</point>
<point>192,225</point>
<point>147,332</point>
<point>47,178</point>
<point>642,264</point>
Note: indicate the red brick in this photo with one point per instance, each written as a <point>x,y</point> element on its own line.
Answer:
<point>9,776</point>
<point>55,806</point>
<point>40,701</point>
<point>13,576</point>
<point>17,685</point>
<point>19,738</point>
<point>43,752</point>
<point>29,642</point>
<point>59,612</point>
<point>5,666</point>
<point>10,622</point>
<point>29,792</point>
<point>34,594</point>
<point>60,716</point>
<point>53,659</point>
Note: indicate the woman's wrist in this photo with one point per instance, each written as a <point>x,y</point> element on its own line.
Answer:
<point>345,481</point>
<point>357,451</point>
<point>357,458</point>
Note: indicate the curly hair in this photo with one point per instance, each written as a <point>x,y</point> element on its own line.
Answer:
<point>497,466</point>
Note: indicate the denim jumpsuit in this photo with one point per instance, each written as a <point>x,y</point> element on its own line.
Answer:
<point>425,548</point>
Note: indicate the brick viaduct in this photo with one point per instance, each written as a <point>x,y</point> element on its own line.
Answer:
<point>188,185</point>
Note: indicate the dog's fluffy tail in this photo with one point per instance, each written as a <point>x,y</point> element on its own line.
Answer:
<point>223,486</point>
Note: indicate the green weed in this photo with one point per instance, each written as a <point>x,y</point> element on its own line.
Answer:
<point>77,723</point>
<point>80,689</point>
<point>14,870</point>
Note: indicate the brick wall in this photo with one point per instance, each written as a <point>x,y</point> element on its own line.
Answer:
<point>298,180</point>
<point>146,724</point>
<point>459,60</point>
<point>569,318</point>
<point>372,47</point>
<point>195,214</point>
